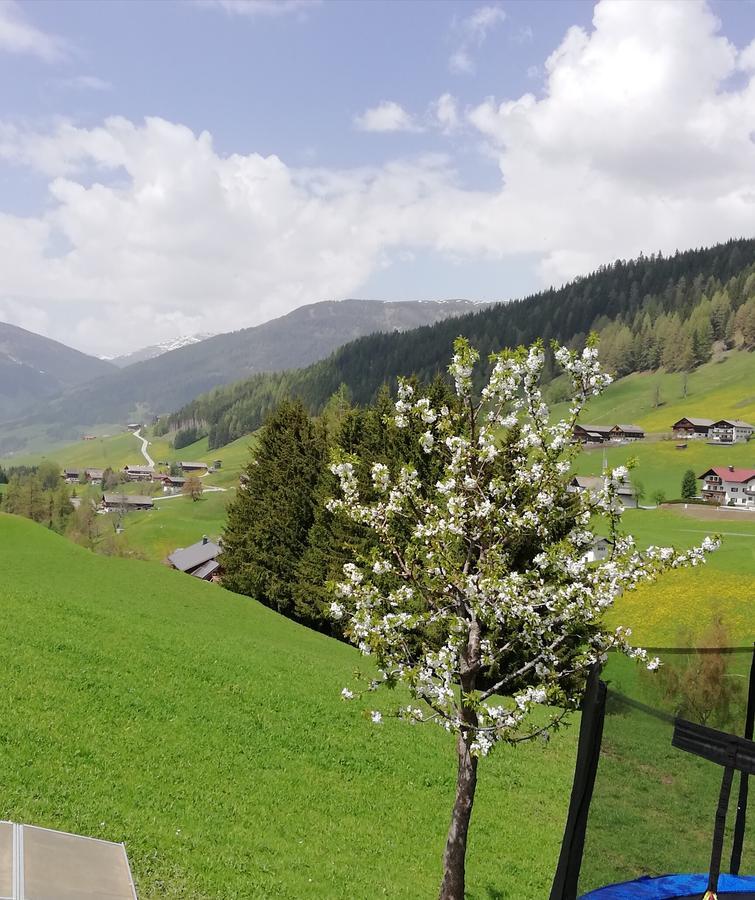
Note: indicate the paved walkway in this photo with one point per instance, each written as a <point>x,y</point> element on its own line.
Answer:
<point>145,443</point>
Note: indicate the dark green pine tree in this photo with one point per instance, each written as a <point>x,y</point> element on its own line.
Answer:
<point>333,539</point>
<point>268,522</point>
<point>689,485</point>
<point>371,436</point>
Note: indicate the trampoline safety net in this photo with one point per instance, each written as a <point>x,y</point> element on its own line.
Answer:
<point>661,801</point>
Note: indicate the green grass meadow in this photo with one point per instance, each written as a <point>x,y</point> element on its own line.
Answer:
<point>176,522</point>
<point>714,390</point>
<point>207,732</point>
<point>660,466</point>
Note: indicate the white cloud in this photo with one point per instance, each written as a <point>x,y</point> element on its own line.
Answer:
<point>482,20</point>
<point>445,113</point>
<point>260,8</point>
<point>386,116</point>
<point>85,83</point>
<point>17,35</point>
<point>523,35</point>
<point>747,58</point>
<point>473,29</point>
<point>641,140</point>
<point>461,62</point>
<point>638,142</point>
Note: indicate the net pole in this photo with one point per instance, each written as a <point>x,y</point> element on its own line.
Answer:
<point>739,823</point>
<point>566,879</point>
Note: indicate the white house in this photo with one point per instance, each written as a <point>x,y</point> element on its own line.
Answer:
<point>730,431</point>
<point>727,485</point>
<point>594,483</point>
<point>600,550</point>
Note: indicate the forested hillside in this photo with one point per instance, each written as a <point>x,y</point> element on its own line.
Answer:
<point>650,312</point>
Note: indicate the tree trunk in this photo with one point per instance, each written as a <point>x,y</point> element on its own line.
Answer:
<point>455,853</point>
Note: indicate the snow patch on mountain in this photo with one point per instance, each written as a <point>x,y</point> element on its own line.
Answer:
<point>155,350</point>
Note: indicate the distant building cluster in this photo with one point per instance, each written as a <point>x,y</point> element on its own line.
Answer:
<point>604,434</point>
<point>723,431</point>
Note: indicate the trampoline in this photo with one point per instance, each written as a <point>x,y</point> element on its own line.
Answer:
<point>660,800</point>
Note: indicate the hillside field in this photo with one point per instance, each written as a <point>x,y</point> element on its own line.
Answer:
<point>208,733</point>
<point>714,391</point>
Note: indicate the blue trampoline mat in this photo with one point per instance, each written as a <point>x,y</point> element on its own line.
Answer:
<point>666,887</point>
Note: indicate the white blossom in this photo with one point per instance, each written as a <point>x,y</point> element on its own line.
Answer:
<point>445,567</point>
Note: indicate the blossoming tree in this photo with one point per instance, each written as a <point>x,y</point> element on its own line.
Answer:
<point>479,597</point>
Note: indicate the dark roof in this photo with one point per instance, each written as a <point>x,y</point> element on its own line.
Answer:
<point>598,429</point>
<point>187,558</point>
<point>701,423</point>
<point>71,471</point>
<point>735,423</point>
<point>206,569</point>
<point>596,483</point>
<point>127,500</point>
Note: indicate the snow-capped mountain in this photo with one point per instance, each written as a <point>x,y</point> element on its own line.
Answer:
<point>155,350</point>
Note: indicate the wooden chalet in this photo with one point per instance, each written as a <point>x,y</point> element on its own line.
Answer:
<point>138,473</point>
<point>730,431</point>
<point>594,484</point>
<point>125,502</point>
<point>194,466</point>
<point>627,433</point>
<point>199,560</point>
<point>592,434</point>
<point>691,427</point>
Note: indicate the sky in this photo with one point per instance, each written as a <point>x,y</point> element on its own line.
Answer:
<point>205,165</point>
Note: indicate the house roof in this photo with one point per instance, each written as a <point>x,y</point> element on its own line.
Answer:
<point>598,429</point>
<point>95,473</point>
<point>596,482</point>
<point>127,500</point>
<point>208,568</point>
<point>190,557</point>
<point>142,469</point>
<point>734,475</point>
<point>703,423</point>
<point>194,465</point>
<point>631,429</point>
<point>734,423</point>
<point>71,471</point>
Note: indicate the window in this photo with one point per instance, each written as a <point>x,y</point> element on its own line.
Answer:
<point>734,490</point>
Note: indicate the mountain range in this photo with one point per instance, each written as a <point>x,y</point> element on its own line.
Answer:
<point>155,350</point>
<point>96,391</point>
<point>33,368</point>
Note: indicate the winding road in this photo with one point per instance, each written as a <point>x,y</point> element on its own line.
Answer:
<point>145,443</point>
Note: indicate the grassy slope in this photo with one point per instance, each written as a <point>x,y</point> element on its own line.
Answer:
<point>116,451</point>
<point>714,390</point>
<point>207,732</point>
<point>678,609</point>
<point>176,523</point>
